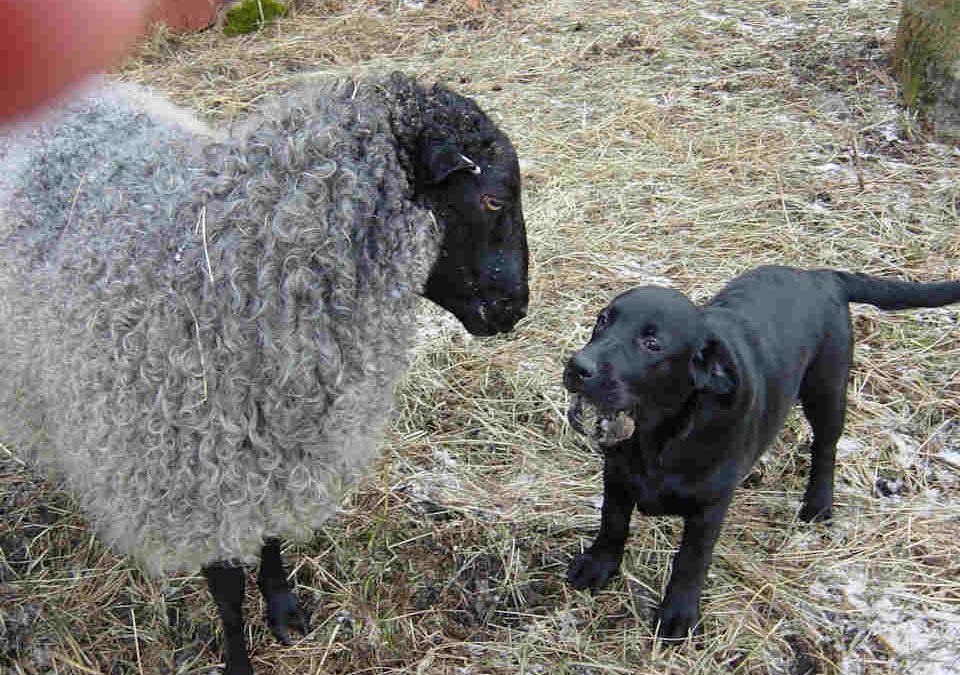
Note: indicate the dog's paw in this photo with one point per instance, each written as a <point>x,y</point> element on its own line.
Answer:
<point>592,570</point>
<point>816,513</point>
<point>677,619</point>
<point>283,615</point>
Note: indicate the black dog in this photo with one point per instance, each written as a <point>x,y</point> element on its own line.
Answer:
<point>708,389</point>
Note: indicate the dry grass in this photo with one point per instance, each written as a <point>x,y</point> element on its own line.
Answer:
<point>681,142</point>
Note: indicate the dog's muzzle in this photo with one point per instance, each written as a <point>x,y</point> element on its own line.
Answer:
<point>608,429</point>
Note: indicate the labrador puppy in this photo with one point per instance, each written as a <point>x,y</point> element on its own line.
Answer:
<point>706,389</point>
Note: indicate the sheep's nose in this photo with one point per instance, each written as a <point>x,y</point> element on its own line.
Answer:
<point>512,309</point>
<point>504,314</point>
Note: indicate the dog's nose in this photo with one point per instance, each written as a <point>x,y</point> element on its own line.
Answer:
<point>582,367</point>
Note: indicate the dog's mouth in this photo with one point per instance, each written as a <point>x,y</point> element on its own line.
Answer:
<point>606,427</point>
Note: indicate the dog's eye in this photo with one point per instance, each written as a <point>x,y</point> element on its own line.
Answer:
<point>602,320</point>
<point>491,203</point>
<point>649,342</point>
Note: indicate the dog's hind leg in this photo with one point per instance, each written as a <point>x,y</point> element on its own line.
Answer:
<point>824,398</point>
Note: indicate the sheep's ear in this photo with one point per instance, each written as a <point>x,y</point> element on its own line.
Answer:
<point>712,369</point>
<point>442,157</point>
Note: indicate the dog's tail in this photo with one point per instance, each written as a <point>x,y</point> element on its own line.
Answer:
<point>896,294</point>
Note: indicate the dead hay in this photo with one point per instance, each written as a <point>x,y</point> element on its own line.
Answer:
<point>673,142</point>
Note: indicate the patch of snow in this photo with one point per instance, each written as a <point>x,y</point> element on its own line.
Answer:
<point>822,591</point>
<point>889,132</point>
<point>445,459</point>
<point>643,272</point>
<point>435,324</point>
<point>520,485</point>
<point>545,367</point>
<point>569,632</point>
<point>834,105</point>
<point>940,317</point>
<point>952,456</point>
<point>758,22</point>
<point>848,446</point>
<point>945,184</point>
<point>804,539</point>
<point>838,171</point>
<point>818,206</point>
<point>440,484</point>
<point>713,16</point>
<point>924,641</point>
<point>907,449</point>
<point>662,209</point>
<point>784,118</point>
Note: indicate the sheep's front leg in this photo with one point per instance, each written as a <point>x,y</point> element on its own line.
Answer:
<point>283,611</point>
<point>227,583</point>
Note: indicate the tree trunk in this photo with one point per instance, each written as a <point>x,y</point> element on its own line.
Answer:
<point>927,59</point>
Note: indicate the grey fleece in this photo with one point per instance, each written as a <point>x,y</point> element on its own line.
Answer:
<point>200,335</point>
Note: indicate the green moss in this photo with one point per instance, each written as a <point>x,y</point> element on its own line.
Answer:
<point>926,48</point>
<point>252,15</point>
<point>912,55</point>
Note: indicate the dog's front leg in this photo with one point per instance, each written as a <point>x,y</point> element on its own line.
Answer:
<point>598,564</point>
<point>680,610</point>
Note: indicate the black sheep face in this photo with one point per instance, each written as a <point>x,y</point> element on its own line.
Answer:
<point>481,272</point>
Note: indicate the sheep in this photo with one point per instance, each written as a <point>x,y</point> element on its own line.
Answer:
<point>200,331</point>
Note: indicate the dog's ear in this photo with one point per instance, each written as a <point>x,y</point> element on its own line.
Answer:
<point>712,369</point>
<point>442,157</point>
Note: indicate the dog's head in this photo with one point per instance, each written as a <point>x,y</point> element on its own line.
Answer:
<point>649,353</point>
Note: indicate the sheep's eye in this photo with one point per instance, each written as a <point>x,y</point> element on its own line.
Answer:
<point>491,203</point>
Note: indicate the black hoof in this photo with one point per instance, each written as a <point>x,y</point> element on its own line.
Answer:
<point>283,615</point>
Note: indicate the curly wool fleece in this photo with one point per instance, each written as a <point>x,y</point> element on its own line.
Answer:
<point>201,336</point>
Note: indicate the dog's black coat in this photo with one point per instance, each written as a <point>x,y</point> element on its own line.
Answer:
<point>709,388</point>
